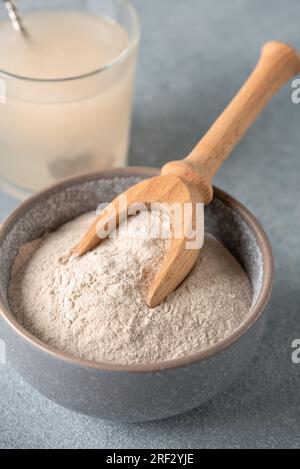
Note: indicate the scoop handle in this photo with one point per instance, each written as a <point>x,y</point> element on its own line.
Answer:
<point>277,64</point>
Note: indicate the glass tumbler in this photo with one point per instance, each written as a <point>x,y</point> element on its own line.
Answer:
<point>56,125</point>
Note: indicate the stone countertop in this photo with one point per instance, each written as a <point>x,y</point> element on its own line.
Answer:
<point>194,56</point>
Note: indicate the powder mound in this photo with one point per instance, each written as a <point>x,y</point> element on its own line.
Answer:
<point>94,307</point>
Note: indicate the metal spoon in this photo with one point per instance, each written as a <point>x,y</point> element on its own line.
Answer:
<point>15,16</point>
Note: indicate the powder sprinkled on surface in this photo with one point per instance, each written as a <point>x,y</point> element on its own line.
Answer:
<point>94,306</point>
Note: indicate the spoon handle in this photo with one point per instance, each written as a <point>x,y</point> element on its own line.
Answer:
<point>277,64</point>
<point>14,16</point>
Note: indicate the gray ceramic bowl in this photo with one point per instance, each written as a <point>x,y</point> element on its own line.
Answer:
<point>138,392</point>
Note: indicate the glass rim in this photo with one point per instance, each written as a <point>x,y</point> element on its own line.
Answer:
<point>117,60</point>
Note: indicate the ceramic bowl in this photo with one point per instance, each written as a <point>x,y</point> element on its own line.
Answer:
<point>132,392</point>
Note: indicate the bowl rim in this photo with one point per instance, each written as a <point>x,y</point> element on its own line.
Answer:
<point>140,171</point>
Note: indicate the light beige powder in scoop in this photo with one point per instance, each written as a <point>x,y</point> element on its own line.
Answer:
<point>94,306</point>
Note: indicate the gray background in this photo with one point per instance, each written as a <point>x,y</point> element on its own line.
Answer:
<point>194,56</point>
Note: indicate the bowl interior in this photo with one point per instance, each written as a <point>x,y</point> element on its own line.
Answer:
<point>65,201</point>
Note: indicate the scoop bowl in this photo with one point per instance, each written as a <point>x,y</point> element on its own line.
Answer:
<point>143,391</point>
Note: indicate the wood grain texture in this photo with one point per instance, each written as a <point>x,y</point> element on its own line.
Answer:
<point>190,180</point>
<point>278,63</point>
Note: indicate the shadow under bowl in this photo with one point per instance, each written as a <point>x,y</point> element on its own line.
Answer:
<point>132,392</point>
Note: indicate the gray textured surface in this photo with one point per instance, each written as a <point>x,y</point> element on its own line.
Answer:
<point>194,55</point>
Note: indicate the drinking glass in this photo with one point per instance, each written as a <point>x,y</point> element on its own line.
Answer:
<point>55,127</point>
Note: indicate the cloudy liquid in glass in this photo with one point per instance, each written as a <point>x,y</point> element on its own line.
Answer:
<point>51,129</point>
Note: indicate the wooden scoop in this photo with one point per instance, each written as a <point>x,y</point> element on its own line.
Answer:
<point>190,180</point>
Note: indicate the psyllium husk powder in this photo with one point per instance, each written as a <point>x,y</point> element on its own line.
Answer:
<point>94,307</point>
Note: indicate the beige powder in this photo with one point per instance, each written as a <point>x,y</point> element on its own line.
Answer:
<point>94,307</point>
